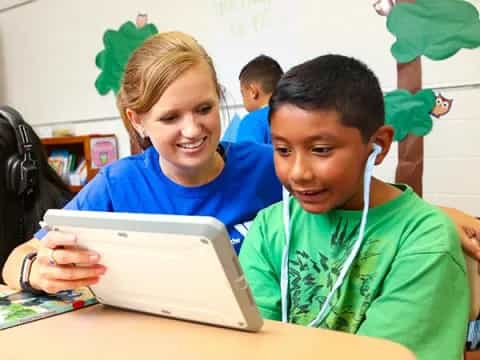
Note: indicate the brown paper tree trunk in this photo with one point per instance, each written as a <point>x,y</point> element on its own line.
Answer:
<point>410,150</point>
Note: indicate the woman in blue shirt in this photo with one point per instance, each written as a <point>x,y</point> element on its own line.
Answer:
<point>169,101</point>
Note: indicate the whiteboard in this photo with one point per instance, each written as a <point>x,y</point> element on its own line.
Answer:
<point>48,47</point>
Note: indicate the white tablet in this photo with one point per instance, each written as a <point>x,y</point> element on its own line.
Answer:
<point>170,265</point>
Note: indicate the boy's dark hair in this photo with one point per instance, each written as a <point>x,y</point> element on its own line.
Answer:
<point>263,69</point>
<point>334,82</point>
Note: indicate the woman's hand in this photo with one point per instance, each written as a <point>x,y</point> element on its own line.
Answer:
<point>62,265</point>
<point>469,230</point>
<point>470,238</point>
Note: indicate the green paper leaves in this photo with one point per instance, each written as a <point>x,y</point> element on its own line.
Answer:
<point>435,28</point>
<point>409,114</point>
<point>119,45</point>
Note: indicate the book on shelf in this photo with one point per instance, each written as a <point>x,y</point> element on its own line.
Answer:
<point>69,166</point>
<point>78,176</point>
<point>58,160</point>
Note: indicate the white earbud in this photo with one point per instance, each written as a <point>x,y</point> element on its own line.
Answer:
<point>377,149</point>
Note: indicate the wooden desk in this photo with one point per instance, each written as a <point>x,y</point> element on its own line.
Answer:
<point>100,332</point>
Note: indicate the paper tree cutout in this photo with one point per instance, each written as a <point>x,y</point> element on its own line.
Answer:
<point>437,29</point>
<point>383,7</point>
<point>409,114</point>
<point>119,45</point>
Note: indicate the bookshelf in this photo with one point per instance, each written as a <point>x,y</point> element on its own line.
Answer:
<point>95,150</point>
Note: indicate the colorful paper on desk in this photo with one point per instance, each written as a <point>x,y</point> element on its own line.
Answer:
<point>18,308</point>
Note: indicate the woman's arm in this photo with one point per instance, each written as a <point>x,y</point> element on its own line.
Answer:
<point>468,229</point>
<point>72,268</point>
<point>11,269</point>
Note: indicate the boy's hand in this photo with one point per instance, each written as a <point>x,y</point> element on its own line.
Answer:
<point>61,265</point>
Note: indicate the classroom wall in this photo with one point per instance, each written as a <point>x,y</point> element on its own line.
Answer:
<point>451,152</point>
<point>49,53</point>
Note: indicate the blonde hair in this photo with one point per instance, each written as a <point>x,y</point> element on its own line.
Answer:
<point>152,68</point>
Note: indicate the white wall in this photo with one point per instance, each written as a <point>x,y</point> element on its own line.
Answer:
<point>40,41</point>
<point>452,154</point>
<point>106,126</point>
<point>49,46</point>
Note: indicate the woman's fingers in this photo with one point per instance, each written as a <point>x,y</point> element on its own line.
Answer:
<point>54,286</point>
<point>470,238</point>
<point>56,239</point>
<point>470,232</point>
<point>476,232</point>
<point>471,246</point>
<point>71,272</point>
<point>67,256</point>
<point>54,278</point>
<point>61,265</point>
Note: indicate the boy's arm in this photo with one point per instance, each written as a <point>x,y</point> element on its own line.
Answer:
<point>256,262</point>
<point>468,229</point>
<point>423,305</point>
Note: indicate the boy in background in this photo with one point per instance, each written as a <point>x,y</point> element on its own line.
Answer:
<point>348,251</point>
<point>258,78</point>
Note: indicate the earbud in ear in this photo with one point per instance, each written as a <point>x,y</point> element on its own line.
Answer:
<point>377,149</point>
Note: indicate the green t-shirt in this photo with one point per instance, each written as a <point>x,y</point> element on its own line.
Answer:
<point>408,283</point>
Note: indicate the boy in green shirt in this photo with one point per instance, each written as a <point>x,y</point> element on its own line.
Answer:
<point>393,270</point>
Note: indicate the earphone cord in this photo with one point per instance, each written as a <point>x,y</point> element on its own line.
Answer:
<point>284,271</point>
<point>356,247</point>
<point>348,262</point>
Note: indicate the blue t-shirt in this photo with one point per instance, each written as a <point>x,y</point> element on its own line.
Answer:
<point>254,127</point>
<point>136,184</point>
<point>232,129</point>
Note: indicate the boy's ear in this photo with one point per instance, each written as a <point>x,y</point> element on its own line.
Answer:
<point>254,90</point>
<point>384,138</point>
